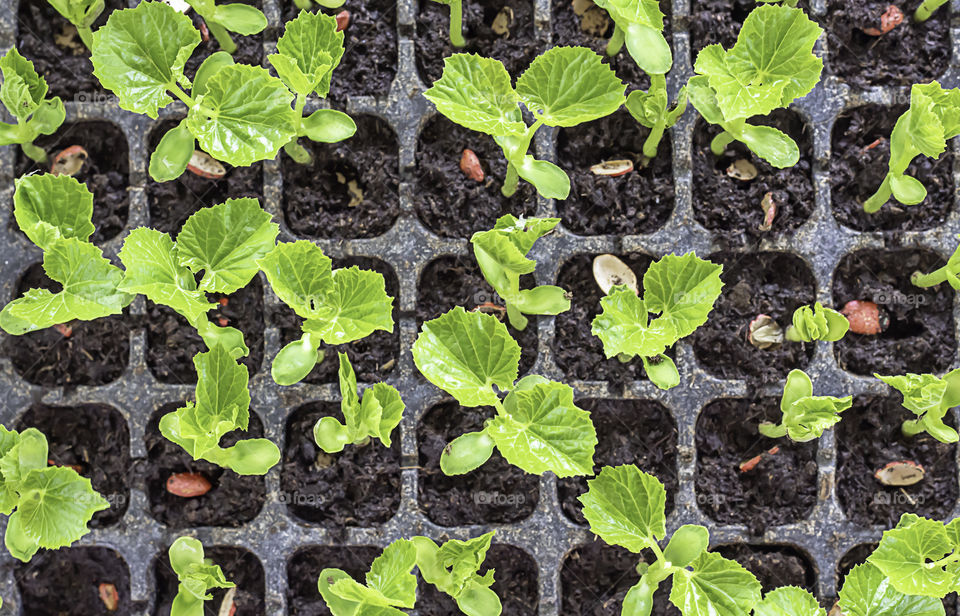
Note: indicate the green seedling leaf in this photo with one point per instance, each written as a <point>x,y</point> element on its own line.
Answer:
<point>81,13</point>
<point>197,576</point>
<point>309,50</point>
<point>625,506</point>
<point>817,323</point>
<point>624,326</point>
<point>328,126</point>
<point>390,584</point>
<point>50,207</point>
<point>23,93</point>
<point>789,601</point>
<point>173,154</point>
<point>867,592</point>
<point>929,398</point>
<point>454,569</point>
<point>715,585</point>
<point>910,556</point>
<point>805,416</point>
<point>683,290</point>
<point>641,24</point>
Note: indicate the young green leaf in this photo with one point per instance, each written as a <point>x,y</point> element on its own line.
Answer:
<point>82,14</point>
<point>805,416</point>
<point>310,48</point>
<point>926,9</point>
<point>23,92</point>
<point>50,207</point>
<point>715,585</point>
<point>949,273</point>
<point>918,557</point>
<point>789,601</point>
<point>225,18</point>
<point>930,398</point>
<point>817,323</point>
<point>625,506</point>
<point>454,569</point>
<point>477,93</point>
<point>197,576</point>
<point>390,584</point>
<point>867,592</point>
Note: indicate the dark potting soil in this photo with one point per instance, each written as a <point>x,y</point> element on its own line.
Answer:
<point>448,202</point>
<point>576,350</point>
<point>920,337</point>
<point>450,281</point>
<point>95,438</point>
<point>57,52</point>
<point>106,172</point>
<point>638,202</point>
<point>494,493</point>
<point>304,567</point>
<point>67,581</point>
<point>96,352</point>
<point>859,162</point>
<point>771,283</point>
<point>369,61</point>
<point>781,489</point>
<point>239,566</point>
<point>868,438</point>
<point>596,577</point>
<point>774,565</point>
<point>515,575</point>
<point>172,342</point>
<point>172,203</point>
<point>350,190</point>
<point>516,49</point>
<point>232,501</point>
<point>249,48</point>
<point>360,486</point>
<point>910,53</point>
<point>732,207</point>
<point>373,358</point>
<point>640,432</point>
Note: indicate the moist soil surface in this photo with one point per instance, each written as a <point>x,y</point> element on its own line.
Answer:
<point>638,202</point>
<point>249,48</point>
<point>172,203</point>
<point>373,358</point>
<point>350,190</point>
<point>775,566</point>
<point>639,432</point>
<point>304,567</point>
<point>450,281</point>
<point>770,283</point>
<point>57,52</point>
<point>719,21</point>
<point>106,171</point>
<point>868,438</point>
<point>239,566</point>
<point>369,62</point>
<point>781,489</point>
<point>910,53</point>
<point>516,48</point>
<point>231,502</point>
<point>732,207</point>
<point>859,162</point>
<point>93,438</point>
<point>920,337</point>
<point>67,581</point>
<point>595,579</point>
<point>360,486</point>
<point>95,353</point>
<point>172,343</point>
<point>497,492</point>
<point>448,202</point>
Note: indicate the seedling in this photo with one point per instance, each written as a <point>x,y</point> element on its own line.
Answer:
<point>310,48</point>
<point>681,290</point>
<point>625,507</point>
<point>930,398</point>
<point>337,306</point>
<point>501,253</point>
<point>805,416</point>
<point>565,86</point>
<point>82,14</point>
<point>926,9</point>
<point>817,323</point>
<point>924,128</point>
<point>236,17</point>
<point>949,273</point>
<point>237,113</point>
<point>24,94</point>
<point>197,575</point>
<point>537,426</point>
<point>771,65</point>
<point>640,25</point>
<point>867,591</point>
<point>919,557</point>
<point>48,506</point>
<point>456,21</point>
<point>375,416</point>
<point>454,569</point>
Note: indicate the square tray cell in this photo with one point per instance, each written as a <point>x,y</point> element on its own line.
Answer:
<point>447,282</point>
<point>172,343</point>
<point>774,565</point>
<point>731,207</point>
<point>360,486</point>
<point>106,171</point>
<point>920,334</point>
<point>516,48</point>
<point>94,439</point>
<point>374,358</point>
<point>239,566</point>
<point>67,581</point>
<point>638,202</point>
<point>350,190</point>
<point>232,501</point>
<point>859,160</point>
<point>495,493</point>
<point>172,203</point>
<point>448,202</point>
<point>770,283</point>
<point>781,489</point>
<point>640,432</point>
<point>304,567</point>
<point>595,578</point>
<point>910,53</point>
<point>868,438</point>
<point>93,352</point>
<point>719,21</point>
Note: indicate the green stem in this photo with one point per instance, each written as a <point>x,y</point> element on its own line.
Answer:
<point>925,10</point>
<point>912,427</point>
<point>616,41</point>
<point>36,153</point>
<point>658,83</point>
<point>516,318</point>
<point>223,37</point>
<point>456,24</point>
<point>513,178</point>
<point>880,197</point>
<point>86,35</point>
<point>180,94</point>
<point>510,182</point>
<point>932,279</point>
<point>792,335</point>
<point>943,562</point>
<point>720,143</point>
<point>298,153</point>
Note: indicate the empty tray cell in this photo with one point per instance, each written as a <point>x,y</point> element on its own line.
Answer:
<point>68,580</point>
<point>304,567</point>
<point>595,578</point>
<point>239,566</point>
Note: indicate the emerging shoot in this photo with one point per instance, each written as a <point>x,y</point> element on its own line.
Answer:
<point>949,273</point>
<point>930,398</point>
<point>197,576</point>
<point>456,21</point>
<point>236,17</point>
<point>82,14</point>
<point>24,94</point>
<point>817,323</point>
<point>805,416</point>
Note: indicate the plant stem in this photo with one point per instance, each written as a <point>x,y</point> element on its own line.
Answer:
<point>86,35</point>
<point>943,562</point>
<point>925,10</point>
<point>934,278</point>
<point>616,41</point>
<point>912,427</point>
<point>183,96</point>
<point>36,153</point>
<point>456,24</point>
<point>223,37</point>
<point>880,197</point>
<point>510,182</point>
<point>791,334</point>
<point>516,318</point>
<point>298,153</point>
<point>657,83</point>
<point>720,143</point>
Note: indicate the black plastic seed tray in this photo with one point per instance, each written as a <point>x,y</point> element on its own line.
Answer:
<point>542,526</point>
